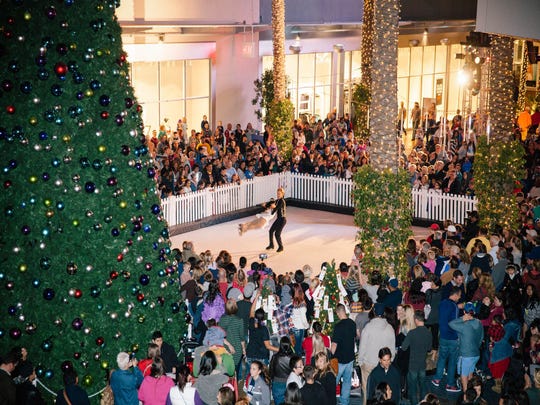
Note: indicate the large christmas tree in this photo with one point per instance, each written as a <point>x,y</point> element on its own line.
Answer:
<point>84,249</point>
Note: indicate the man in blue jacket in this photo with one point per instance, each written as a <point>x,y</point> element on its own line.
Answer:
<point>470,333</point>
<point>448,342</point>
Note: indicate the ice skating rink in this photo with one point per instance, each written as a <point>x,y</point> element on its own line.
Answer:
<point>310,237</point>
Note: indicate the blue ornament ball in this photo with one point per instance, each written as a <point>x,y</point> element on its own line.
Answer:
<point>156,209</point>
<point>48,294</point>
<point>89,187</point>
<point>144,279</point>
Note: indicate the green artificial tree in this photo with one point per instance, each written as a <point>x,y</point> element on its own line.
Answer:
<point>327,296</point>
<point>85,267</point>
<point>383,215</point>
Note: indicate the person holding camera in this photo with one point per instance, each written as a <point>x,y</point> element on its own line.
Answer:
<point>279,207</point>
<point>126,380</point>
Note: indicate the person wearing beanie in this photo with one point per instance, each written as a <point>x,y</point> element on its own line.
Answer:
<point>395,295</point>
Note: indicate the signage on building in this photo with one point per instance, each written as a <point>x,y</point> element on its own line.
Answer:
<point>438,91</point>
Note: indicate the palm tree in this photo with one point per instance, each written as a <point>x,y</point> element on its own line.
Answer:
<point>501,83</point>
<point>498,164</point>
<point>384,84</point>
<point>278,42</point>
<point>280,112</point>
<point>382,192</point>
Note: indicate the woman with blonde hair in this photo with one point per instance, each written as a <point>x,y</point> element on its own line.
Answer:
<point>298,317</point>
<point>326,376</point>
<point>486,288</point>
<point>406,324</point>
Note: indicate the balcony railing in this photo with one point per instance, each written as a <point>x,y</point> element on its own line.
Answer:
<point>326,191</point>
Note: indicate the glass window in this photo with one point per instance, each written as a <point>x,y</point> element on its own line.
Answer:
<point>291,69</point>
<point>145,80</point>
<point>440,58</point>
<point>403,90</point>
<point>427,86</point>
<point>454,94</point>
<point>267,62</point>
<point>404,55</point>
<point>347,70</point>
<point>172,110</point>
<point>150,115</point>
<point>356,67</point>
<point>198,78</point>
<point>321,102</point>
<point>415,90</point>
<point>171,80</point>
<point>416,61</point>
<point>429,60</point>
<point>323,69</point>
<point>306,72</point>
<point>196,108</point>
<point>456,64</point>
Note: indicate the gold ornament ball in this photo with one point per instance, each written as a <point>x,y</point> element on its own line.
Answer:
<point>33,120</point>
<point>23,267</point>
<point>27,16</point>
<point>49,213</point>
<point>89,93</point>
<point>66,138</point>
<point>102,148</point>
<point>32,179</point>
<point>104,364</point>
<point>123,204</point>
<point>88,380</point>
<point>75,222</point>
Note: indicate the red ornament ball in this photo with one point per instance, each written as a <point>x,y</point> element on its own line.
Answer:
<point>113,275</point>
<point>120,257</point>
<point>100,340</point>
<point>140,297</point>
<point>78,293</point>
<point>10,109</point>
<point>104,115</point>
<point>61,69</point>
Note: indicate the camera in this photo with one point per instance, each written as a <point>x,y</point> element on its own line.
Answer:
<point>263,256</point>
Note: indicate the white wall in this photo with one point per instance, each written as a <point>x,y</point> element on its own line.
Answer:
<point>235,71</point>
<point>190,11</point>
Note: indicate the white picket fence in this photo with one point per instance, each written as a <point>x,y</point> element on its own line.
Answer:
<point>202,204</point>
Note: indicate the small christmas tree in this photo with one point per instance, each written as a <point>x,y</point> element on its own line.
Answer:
<point>327,296</point>
<point>84,249</point>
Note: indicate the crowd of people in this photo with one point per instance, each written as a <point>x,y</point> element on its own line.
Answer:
<point>469,316</point>
<point>439,155</point>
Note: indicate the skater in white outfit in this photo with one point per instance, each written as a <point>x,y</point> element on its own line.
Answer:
<point>260,221</point>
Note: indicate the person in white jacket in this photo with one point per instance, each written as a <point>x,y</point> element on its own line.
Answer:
<point>377,333</point>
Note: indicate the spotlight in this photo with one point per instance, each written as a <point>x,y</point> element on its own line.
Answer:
<point>478,60</point>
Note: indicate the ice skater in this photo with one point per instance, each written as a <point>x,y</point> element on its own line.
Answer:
<point>280,208</point>
<point>260,221</point>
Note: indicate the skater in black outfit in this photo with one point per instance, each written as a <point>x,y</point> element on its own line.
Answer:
<point>279,207</point>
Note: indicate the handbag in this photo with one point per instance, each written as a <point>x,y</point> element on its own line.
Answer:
<point>107,396</point>
<point>427,310</point>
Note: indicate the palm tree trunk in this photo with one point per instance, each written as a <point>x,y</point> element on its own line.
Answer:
<point>278,41</point>
<point>384,85</point>
<point>367,42</point>
<point>501,84</point>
